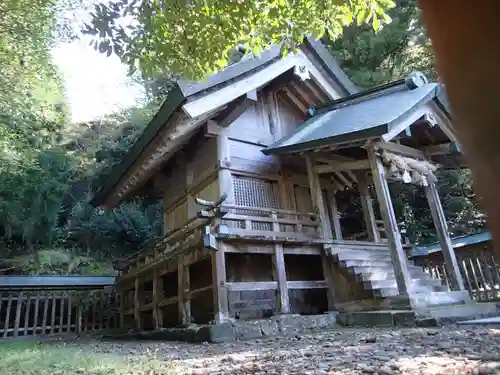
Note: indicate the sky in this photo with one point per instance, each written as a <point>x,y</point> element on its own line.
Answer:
<point>95,84</point>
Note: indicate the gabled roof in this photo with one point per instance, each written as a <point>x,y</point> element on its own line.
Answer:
<point>189,88</point>
<point>365,115</point>
<point>184,91</point>
<point>457,243</point>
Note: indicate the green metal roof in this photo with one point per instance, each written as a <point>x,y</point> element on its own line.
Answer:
<point>355,118</point>
<point>457,243</point>
<point>56,282</point>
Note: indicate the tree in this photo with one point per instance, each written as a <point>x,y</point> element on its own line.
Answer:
<point>397,49</point>
<point>196,38</point>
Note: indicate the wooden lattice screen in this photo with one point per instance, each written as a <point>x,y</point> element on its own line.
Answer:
<point>254,192</point>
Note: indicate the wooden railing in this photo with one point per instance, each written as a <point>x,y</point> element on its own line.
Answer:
<point>271,224</point>
<point>173,243</point>
<point>43,310</point>
<point>240,221</point>
<point>479,270</point>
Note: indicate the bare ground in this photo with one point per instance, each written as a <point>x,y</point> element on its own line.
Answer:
<point>448,350</point>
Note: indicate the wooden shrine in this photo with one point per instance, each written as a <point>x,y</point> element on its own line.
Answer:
<point>249,165</point>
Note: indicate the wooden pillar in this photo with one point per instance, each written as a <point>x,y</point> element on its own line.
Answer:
<point>137,305</point>
<point>450,260</point>
<point>121,298</point>
<point>157,296</point>
<point>398,255</point>
<point>317,199</point>
<point>224,174</point>
<point>326,231</point>
<point>367,206</point>
<point>335,216</point>
<point>221,307</point>
<point>279,270</point>
<point>183,287</point>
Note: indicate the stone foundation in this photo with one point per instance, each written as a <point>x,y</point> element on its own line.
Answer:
<point>293,324</point>
<point>288,324</point>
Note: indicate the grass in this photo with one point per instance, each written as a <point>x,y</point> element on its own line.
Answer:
<point>59,262</point>
<point>29,357</point>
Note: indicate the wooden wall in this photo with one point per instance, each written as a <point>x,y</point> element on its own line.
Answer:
<point>229,160</point>
<point>190,177</point>
<point>251,178</point>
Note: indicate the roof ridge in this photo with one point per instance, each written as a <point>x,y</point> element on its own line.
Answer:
<point>412,81</point>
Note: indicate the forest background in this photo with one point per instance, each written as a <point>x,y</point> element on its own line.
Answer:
<point>50,166</point>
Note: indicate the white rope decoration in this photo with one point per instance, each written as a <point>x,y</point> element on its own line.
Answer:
<point>410,170</point>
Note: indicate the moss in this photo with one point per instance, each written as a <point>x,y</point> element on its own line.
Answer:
<point>59,262</point>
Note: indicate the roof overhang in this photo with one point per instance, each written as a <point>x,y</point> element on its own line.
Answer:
<point>347,138</point>
<point>381,115</point>
<point>198,102</point>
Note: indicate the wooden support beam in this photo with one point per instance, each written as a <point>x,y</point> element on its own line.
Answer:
<point>121,298</point>
<point>224,174</point>
<point>342,179</point>
<point>367,206</point>
<point>271,110</point>
<point>318,93</point>
<point>235,109</point>
<point>252,286</point>
<point>398,255</point>
<point>444,123</point>
<point>303,93</point>
<point>439,220</point>
<point>317,199</point>
<point>335,216</point>
<point>326,230</point>
<point>221,307</point>
<point>400,149</point>
<point>343,166</point>
<point>308,284</point>
<point>184,304</point>
<point>295,100</point>
<point>137,305</point>
<point>157,296</point>
<point>441,149</point>
<point>279,271</point>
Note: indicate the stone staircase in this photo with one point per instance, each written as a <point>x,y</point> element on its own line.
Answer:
<point>428,299</point>
<point>371,265</point>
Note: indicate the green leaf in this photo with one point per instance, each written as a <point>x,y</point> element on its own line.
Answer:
<point>361,17</point>
<point>376,23</point>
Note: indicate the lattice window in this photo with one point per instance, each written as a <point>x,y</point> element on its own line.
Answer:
<point>253,192</point>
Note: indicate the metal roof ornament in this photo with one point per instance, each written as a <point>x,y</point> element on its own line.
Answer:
<point>415,80</point>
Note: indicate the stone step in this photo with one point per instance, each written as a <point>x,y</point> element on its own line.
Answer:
<point>432,285</point>
<point>361,255</point>
<point>393,291</point>
<point>435,299</point>
<point>374,250</point>
<point>365,263</point>
<point>381,318</point>
<point>460,311</point>
<point>383,273</point>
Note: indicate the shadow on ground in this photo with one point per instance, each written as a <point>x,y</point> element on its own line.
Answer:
<point>448,350</point>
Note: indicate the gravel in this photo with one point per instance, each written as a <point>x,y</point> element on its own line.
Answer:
<point>448,350</point>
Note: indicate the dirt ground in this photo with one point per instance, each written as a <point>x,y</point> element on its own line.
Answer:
<point>448,350</point>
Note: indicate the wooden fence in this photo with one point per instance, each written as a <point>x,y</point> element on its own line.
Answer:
<point>32,306</point>
<point>479,270</point>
